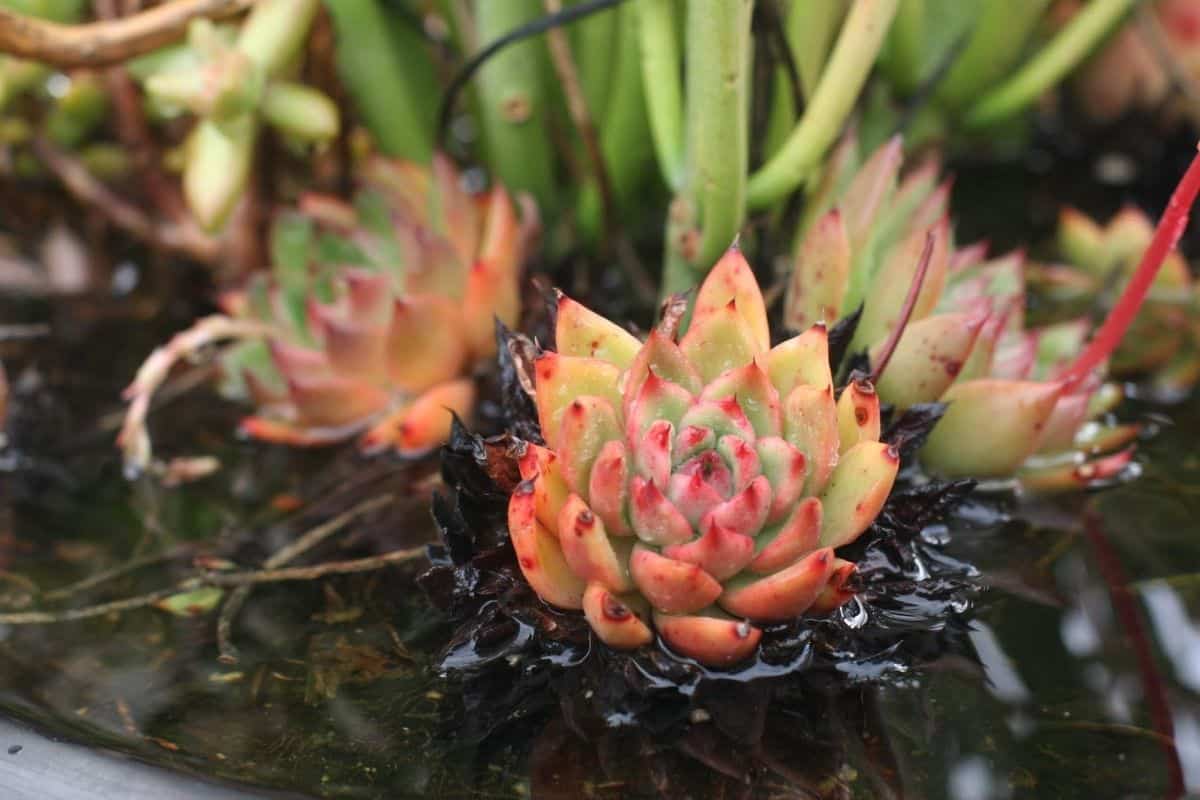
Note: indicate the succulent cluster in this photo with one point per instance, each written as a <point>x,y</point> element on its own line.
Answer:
<point>1164,341</point>
<point>696,484</point>
<point>378,310</point>
<point>950,328</point>
<point>234,84</point>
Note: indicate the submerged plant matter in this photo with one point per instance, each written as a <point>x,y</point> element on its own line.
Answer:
<point>1019,402</point>
<point>692,482</point>
<point>373,314</point>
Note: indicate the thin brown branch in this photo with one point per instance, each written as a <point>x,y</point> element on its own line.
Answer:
<point>315,571</point>
<point>100,610</point>
<point>99,44</point>
<point>248,578</point>
<point>227,651</point>
<point>185,238</point>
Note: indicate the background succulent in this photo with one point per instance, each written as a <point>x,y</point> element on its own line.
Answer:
<point>1164,341</point>
<point>696,484</point>
<point>1144,65</point>
<point>962,335</point>
<point>234,85</point>
<point>379,309</point>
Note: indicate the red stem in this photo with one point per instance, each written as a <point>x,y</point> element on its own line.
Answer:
<point>1170,227</point>
<point>1130,621</point>
<point>910,300</point>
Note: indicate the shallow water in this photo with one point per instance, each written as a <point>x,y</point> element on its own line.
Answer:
<point>1087,683</point>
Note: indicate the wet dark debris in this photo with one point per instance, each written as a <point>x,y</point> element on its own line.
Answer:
<point>517,657</point>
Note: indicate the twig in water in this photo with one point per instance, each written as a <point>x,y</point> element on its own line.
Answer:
<point>251,578</point>
<point>133,565</point>
<point>88,612</point>
<point>98,44</point>
<point>227,651</point>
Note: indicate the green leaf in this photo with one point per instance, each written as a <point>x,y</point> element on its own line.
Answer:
<point>192,604</point>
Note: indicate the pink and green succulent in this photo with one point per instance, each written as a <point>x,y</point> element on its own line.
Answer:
<point>379,310</point>
<point>1019,402</point>
<point>696,485</point>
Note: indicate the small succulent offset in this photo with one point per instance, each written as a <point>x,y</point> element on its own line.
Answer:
<point>234,86</point>
<point>380,309</point>
<point>1021,402</point>
<point>371,318</point>
<point>696,485</point>
<point>1164,341</point>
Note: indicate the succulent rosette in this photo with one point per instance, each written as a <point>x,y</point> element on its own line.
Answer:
<point>378,310</point>
<point>1163,344</point>
<point>696,485</point>
<point>960,321</point>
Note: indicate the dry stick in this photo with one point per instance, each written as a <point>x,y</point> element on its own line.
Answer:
<point>577,106</point>
<point>87,612</point>
<point>182,238</point>
<point>315,571</point>
<point>227,651</point>
<point>99,44</point>
<point>116,572</point>
<point>216,579</point>
<point>910,301</point>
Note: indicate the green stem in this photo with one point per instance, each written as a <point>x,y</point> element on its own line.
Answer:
<point>906,45</point>
<point>1064,52</point>
<point>624,130</point>
<point>996,42</point>
<point>593,43</point>
<point>512,101</point>
<point>390,76</point>
<point>664,95</point>
<point>717,135</point>
<point>810,29</point>
<point>857,46</point>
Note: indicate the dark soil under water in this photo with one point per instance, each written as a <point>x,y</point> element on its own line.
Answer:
<point>1087,684</point>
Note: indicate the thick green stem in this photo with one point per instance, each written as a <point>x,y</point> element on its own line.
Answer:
<point>810,29</point>
<point>512,101</point>
<point>906,45</point>
<point>390,76</point>
<point>1000,34</point>
<point>593,45</point>
<point>857,47</point>
<point>624,130</point>
<point>664,93</point>
<point>1064,52</point>
<point>717,136</point>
